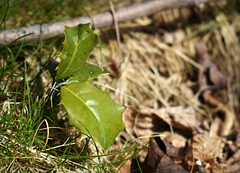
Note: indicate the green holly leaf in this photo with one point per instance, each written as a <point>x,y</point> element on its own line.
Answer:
<point>92,110</point>
<point>88,71</point>
<point>79,42</point>
<point>89,109</point>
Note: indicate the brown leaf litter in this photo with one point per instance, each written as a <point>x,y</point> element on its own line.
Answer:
<point>180,86</point>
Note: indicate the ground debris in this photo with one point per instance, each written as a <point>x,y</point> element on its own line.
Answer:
<point>158,159</point>
<point>210,77</point>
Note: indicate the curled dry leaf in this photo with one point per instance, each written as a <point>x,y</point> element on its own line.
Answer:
<point>158,159</point>
<point>150,121</point>
<point>210,75</point>
<point>146,125</point>
<point>178,116</point>
<point>207,148</point>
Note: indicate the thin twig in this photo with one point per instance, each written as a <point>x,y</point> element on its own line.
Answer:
<point>133,11</point>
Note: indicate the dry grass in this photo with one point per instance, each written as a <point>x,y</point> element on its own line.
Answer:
<point>160,68</point>
<point>158,65</point>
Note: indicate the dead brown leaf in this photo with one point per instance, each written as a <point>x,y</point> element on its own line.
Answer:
<point>207,148</point>
<point>209,76</point>
<point>178,116</point>
<point>148,121</point>
<point>142,124</point>
<point>158,160</point>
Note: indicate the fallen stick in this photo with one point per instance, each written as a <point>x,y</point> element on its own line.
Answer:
<point>19,35</point>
